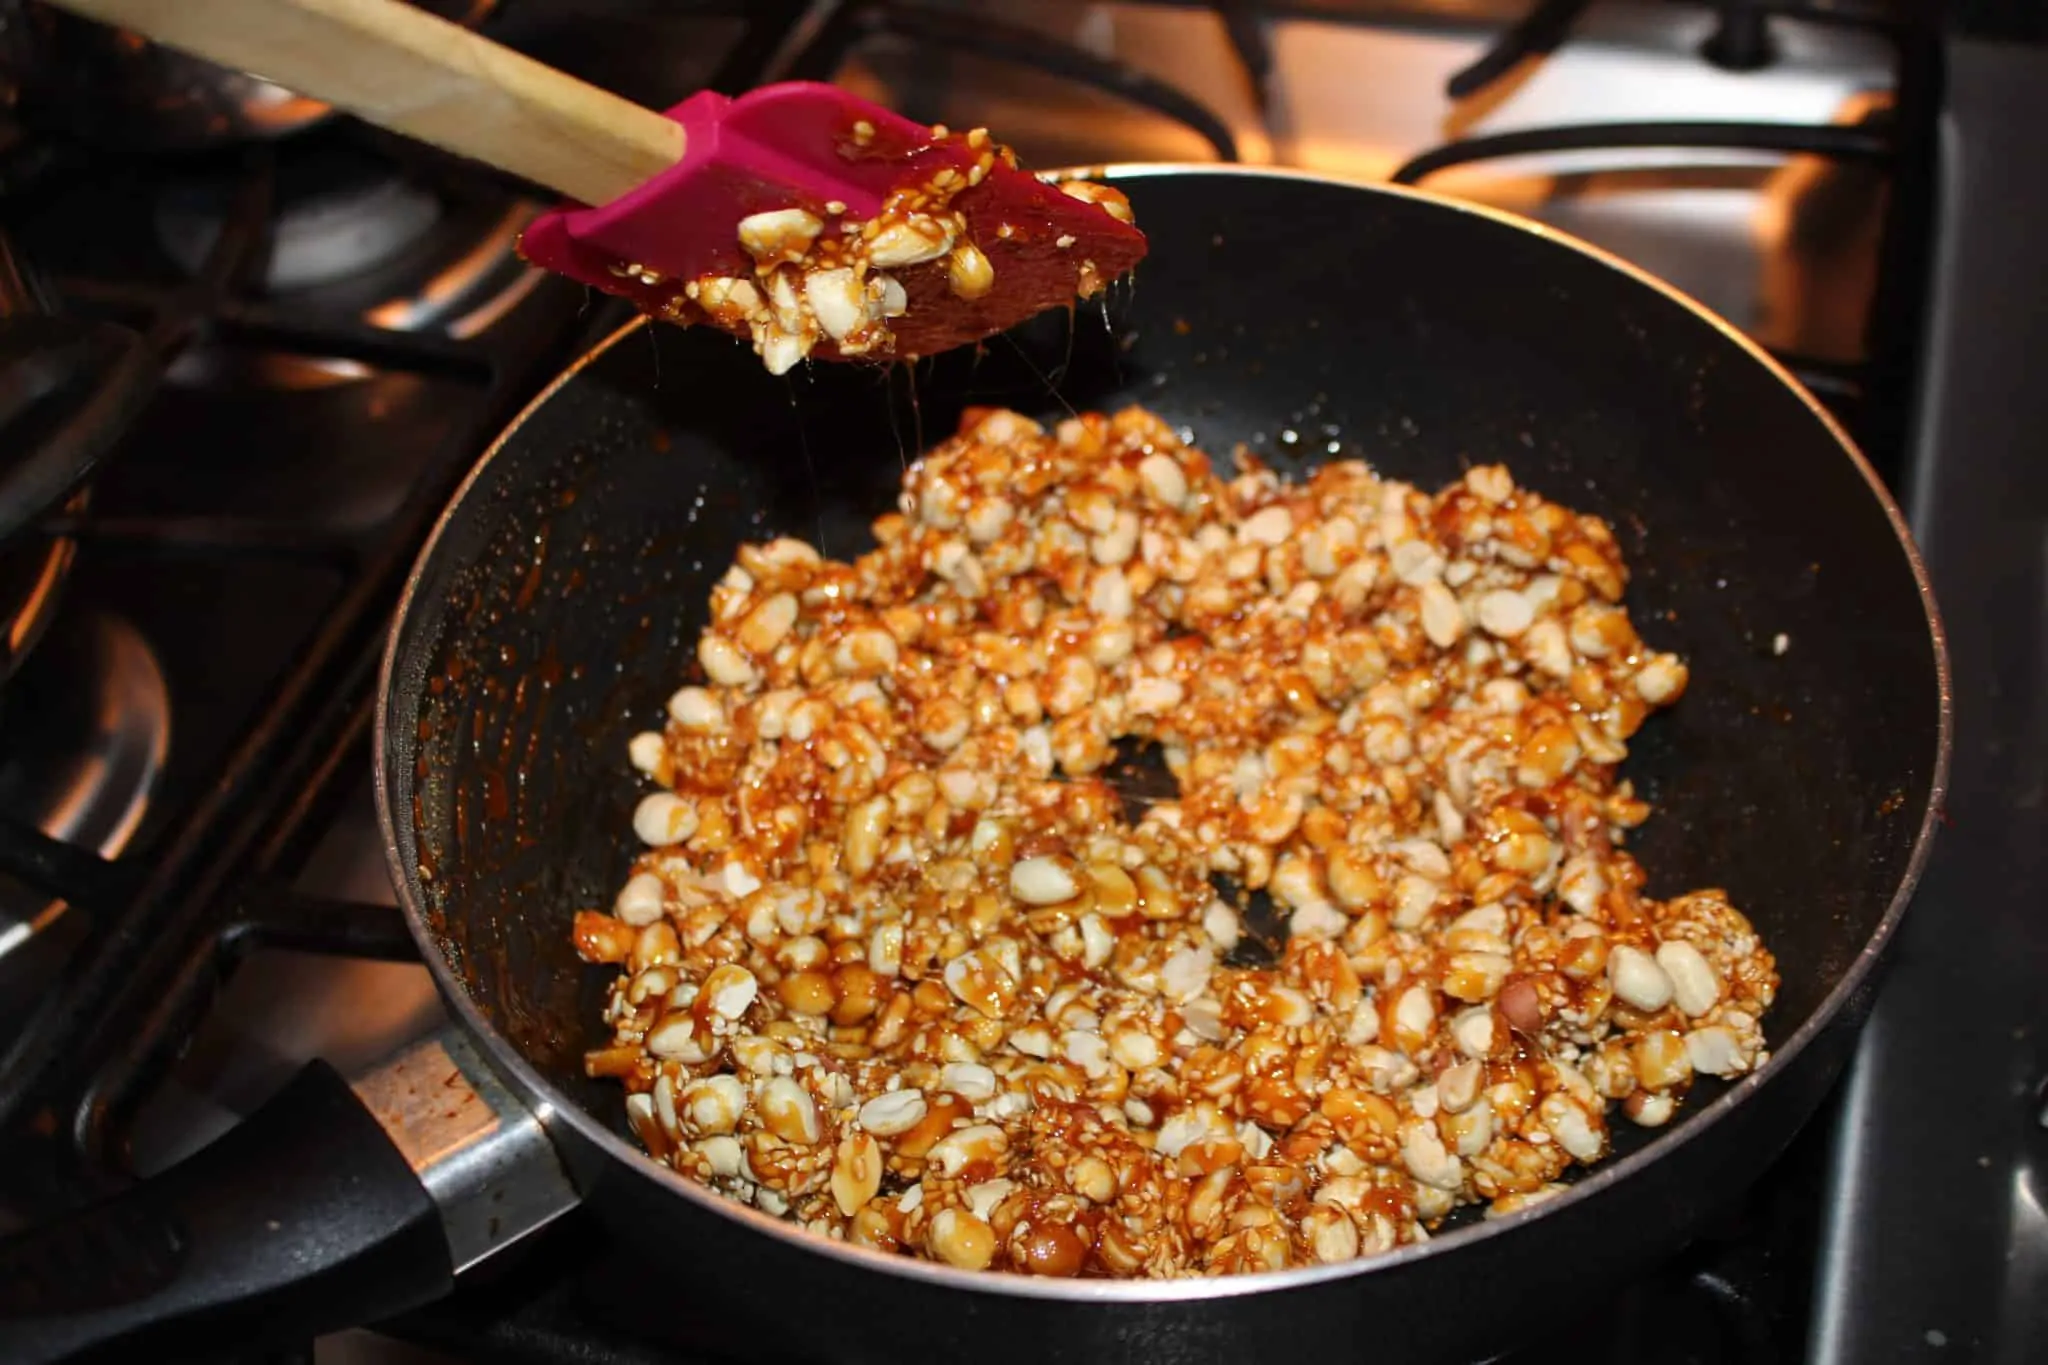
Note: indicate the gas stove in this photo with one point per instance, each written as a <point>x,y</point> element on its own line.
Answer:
<point>192,887</point>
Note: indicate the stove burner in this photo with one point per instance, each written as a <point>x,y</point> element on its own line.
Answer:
<point>474,287</point>
<point>341,211</point>
<point>86,771</point>
<point>84,731</point>
<point>32,574</point>
<point>356,233</point>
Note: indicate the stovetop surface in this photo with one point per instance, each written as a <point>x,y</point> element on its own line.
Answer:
<point>234,526</point>
<point>1937,1198</point>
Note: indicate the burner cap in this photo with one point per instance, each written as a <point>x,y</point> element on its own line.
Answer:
<point>341,211</point>
<point>84,732</point>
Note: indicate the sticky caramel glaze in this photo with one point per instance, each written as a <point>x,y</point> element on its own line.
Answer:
<point>1007,248</point>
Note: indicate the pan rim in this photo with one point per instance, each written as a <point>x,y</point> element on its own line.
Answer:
<point>614,1147</point>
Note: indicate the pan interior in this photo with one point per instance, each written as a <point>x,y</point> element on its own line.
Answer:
<point>561,603</point>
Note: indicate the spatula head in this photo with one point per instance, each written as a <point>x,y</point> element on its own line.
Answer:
<point>848,163</point>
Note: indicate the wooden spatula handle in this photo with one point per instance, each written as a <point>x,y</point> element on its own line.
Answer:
<point>404,69</point>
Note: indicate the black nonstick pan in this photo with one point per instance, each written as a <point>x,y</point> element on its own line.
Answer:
<point>556,608</point>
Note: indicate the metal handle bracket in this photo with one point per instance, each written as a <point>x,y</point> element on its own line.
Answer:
<point>483,1156</point>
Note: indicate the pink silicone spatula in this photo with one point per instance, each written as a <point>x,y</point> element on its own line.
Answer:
<point>941,240</point>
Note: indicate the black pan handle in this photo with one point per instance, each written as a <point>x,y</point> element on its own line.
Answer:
<point>332,1206</point>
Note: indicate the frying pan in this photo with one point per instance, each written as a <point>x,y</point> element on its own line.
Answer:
<point>555,607</point>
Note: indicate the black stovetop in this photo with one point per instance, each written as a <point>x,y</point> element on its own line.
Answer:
<point>251,531</point>
<point>1936,1241</point>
